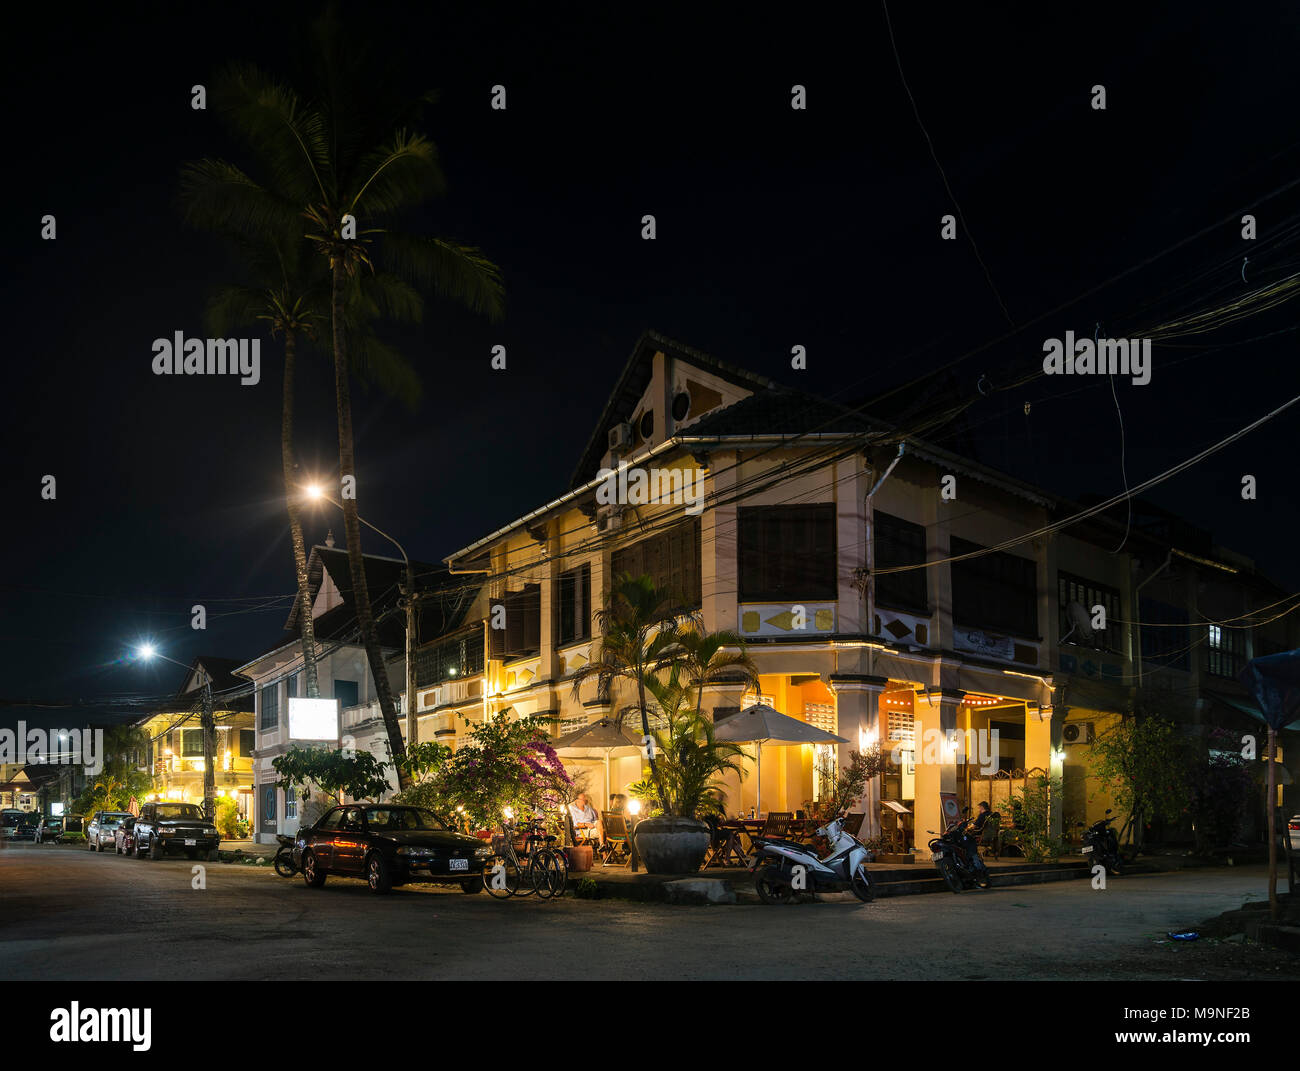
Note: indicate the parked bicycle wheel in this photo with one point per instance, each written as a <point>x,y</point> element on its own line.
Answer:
<point>549,873</point>
<point>499,879</point>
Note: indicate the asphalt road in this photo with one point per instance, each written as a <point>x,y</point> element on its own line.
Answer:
<point>73,915</point>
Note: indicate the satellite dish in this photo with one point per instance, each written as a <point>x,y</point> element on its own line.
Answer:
<point>1080,621</point>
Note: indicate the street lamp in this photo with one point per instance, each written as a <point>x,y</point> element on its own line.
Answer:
<point>317,493</point>
<point>148,652</point>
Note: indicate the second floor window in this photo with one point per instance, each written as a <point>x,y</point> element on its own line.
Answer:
<point>247,741</point>
<point>575,605</point>
<point>1164,634</point>
<point>270,711</point>
<point>1225,651</point>
<point>192,743</point>
<point>347,693</point>
<point>898,542</point>
<point>522,636</point>
<point>998,591</point>
<point>787,553</point>
<point>449,660</point>
<point>671,560</point>
<point>1087,594</point>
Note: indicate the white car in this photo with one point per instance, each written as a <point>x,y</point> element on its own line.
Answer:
<point>101,828</point>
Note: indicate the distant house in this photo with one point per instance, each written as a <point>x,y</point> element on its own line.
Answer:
<point>343,671</point>
<point>175,749</point>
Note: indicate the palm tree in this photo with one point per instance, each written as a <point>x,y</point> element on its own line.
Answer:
<point>711,657</point>
<point>283,300</point>
<point>691,757</point>
<point>640,638</point>
<point>340,160</point>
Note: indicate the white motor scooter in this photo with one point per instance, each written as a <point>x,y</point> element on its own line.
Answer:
<point>784,868</point>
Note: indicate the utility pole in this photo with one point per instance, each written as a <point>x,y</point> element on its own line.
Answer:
<point>410,599</point>
<point>209,752</point>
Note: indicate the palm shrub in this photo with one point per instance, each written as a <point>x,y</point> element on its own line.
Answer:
<point>690,758</point>
<point>640,631</point>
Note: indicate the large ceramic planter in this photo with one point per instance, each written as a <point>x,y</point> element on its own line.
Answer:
<point>672,845</point>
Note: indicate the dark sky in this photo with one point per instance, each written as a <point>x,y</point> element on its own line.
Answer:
<point>776,228</point>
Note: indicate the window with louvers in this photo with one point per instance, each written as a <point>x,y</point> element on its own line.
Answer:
<point>671,560</point>
<point>897,542</point>
<point>575,605</point>
<point>998,591</point>
<point>522,636</point>
<point>1225,654</point>
<point>787,553</point>
<point>270,712</point>
<point>1088,594</point>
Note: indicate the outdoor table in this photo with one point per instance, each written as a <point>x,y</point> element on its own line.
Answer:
<point>731,850</point>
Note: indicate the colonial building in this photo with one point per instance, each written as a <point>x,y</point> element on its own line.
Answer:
<point>856,562</point>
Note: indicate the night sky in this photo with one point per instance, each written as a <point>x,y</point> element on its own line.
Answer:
<point>775,228</point>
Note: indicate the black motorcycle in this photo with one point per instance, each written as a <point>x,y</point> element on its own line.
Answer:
<point>284,864</point>
<point>1101,845</point>
<point>956,856</point>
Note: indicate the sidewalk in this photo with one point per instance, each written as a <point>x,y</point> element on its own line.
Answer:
<point>720,885</point>
<point>232,849</point>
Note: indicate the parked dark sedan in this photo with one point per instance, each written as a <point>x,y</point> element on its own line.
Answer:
<point>175,827</point>
<point>124,836</point>
<point>389,845</point>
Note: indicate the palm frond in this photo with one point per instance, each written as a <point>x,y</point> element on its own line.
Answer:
<point>448,269</point>
<point>402,173</point>
<point>217,196</point>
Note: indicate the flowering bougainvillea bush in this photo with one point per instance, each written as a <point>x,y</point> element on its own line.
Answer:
<point>503,762</point>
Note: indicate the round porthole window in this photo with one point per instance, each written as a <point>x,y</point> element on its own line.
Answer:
<point>681,406</point>
<point>647,424</point>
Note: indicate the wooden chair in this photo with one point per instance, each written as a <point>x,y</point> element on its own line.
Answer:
<point>778,824</point>
<point>616,847</point>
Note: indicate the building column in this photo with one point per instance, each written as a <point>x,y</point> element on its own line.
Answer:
<point>1044,748</point>
<point>857,719</point>
<point>935,723</point>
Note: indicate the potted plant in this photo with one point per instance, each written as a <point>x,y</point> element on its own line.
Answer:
<point>647,642</point>
<point>674,839</point>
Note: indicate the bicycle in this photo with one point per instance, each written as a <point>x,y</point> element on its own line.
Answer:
<point>542,868</point>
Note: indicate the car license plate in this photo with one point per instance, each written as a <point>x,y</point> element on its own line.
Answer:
<point>935,856</point>
<point>457,864</point>
<point>1087,848</point>
<point>191,842</point>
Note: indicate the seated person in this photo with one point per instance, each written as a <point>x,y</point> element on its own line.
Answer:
<point>586,822</point>
<point>985,812</point>
<point>618,803</point>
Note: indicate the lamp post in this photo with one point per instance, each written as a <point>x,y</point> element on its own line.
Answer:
<point>207,724</point>
<point>409,598</point>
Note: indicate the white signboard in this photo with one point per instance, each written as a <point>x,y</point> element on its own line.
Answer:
<point>984,643</point>
<point>313,719</point>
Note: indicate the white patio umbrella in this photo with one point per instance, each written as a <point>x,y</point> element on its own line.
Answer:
<point>761,724</point>
<point>602,735</point>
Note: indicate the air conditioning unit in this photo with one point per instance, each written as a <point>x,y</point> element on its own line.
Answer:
<point>1077,732</point>
<point>620,436</point>
<point>609,518</point>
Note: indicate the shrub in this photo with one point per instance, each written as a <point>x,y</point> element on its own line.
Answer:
<point>588,889</point>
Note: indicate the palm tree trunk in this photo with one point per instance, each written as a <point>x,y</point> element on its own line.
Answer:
<point>291,494</point>
<point>649,751</point>
<point>352,527</point>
